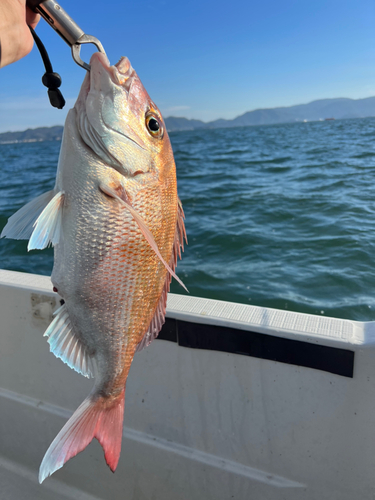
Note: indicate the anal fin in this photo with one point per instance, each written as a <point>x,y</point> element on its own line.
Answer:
<point>65,344</point>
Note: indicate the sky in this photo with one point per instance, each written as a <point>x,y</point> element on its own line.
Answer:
<point>207,60</point>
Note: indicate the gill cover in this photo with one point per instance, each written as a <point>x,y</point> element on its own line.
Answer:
<point>111,111</point>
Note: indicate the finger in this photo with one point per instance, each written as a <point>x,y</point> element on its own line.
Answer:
<point>32,18</point>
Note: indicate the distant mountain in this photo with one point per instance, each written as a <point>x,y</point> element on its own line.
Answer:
<point>174,123</point>
<point>317,110</point>
<point>33,135</point>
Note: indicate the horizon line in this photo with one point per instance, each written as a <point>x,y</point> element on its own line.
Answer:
<point>217,119</point>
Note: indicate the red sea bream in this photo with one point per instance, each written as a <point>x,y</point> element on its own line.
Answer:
<point>117,227</point>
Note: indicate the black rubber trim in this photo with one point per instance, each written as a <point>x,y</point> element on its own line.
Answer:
<point>259,345</point>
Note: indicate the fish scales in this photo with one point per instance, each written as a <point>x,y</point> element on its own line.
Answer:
<point>112,259</point>
<point>117,227</point>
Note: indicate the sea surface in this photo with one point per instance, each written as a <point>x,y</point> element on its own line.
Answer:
<point>280,216</point>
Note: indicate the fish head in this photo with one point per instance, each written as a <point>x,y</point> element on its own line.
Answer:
<point>118,120</point>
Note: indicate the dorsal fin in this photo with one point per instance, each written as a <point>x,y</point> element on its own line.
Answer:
<point>158,319</point>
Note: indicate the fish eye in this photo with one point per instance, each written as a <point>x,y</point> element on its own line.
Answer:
<point>154,126</point>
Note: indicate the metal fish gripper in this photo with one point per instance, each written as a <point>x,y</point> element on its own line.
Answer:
<point>64,25</point>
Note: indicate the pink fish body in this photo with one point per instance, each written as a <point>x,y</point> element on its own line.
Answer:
<point>117,227</point>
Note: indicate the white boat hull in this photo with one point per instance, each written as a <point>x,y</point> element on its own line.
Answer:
<point>201,422</point>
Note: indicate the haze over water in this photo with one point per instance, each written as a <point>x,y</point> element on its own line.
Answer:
<point>280,216</point>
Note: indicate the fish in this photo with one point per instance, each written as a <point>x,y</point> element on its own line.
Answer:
<point>117,227</point>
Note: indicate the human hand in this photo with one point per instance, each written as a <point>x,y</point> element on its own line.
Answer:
<point>16,40</point>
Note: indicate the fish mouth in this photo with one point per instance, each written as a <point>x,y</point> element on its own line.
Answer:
<point>121,73</point>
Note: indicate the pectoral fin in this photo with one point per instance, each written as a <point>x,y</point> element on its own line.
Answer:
<point>143,227</point>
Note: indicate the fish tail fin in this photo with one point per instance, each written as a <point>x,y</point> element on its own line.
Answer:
<point>96,417</point>
<point>108,430</point>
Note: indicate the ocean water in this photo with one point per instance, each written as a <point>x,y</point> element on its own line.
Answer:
<point>280,216</point>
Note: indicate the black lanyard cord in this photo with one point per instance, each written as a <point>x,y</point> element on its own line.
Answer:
<point>50,79</point>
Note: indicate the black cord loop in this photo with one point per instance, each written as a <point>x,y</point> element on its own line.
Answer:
<point>50,79</point>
